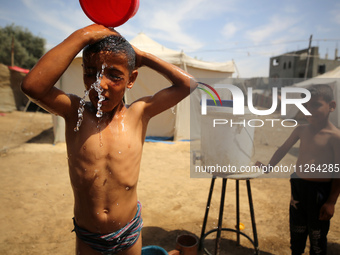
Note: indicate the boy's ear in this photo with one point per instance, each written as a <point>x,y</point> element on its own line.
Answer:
<point>132,79</point>
<point>332,106</point>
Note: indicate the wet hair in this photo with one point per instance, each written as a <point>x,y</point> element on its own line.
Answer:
<point>322,90</point>
<point>116,45</point>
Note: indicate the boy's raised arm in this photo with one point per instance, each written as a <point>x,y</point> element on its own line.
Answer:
<point>39,82</point>
<point>182,83</point>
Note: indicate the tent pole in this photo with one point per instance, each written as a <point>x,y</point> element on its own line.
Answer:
<point>308,56</point>
<point>238,73</point>
<point>184,65</point>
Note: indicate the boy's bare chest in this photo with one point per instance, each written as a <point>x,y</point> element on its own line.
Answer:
<point>106,153</point>
<point>112,141</point>
<point>317,145</point>
<point>100,140</point>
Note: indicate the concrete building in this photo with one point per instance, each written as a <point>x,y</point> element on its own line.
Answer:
<point>292,65</point>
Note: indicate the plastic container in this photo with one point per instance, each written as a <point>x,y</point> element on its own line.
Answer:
<point>186,244</point>
<point>153,250</point>
<point>227,144</point>
<point>110,13</point>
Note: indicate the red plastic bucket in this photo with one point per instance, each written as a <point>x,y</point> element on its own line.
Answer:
<point>110,13</point>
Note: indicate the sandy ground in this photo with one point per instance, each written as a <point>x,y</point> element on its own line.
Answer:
<point>37,202</point>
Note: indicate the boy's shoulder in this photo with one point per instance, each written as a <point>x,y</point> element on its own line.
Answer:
<point>335,133</point>
<point>138,106</point>
<point>138,103</point>
<point>331,130</point>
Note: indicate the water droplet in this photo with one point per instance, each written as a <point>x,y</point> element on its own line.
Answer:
<point>81,111</point>
<point>101,144</point>
<point>96,170</point>
<point>99,114</point>
<point>122,123</point>
<point>97,212</point>
<point>127,188</point>
<point>85,169</point>
<point>119,152</point>
<point>117,203</point>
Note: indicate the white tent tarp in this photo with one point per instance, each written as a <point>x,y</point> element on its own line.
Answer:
<point>174,122</point>
<point>331,78</point>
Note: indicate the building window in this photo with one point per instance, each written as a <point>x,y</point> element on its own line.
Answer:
<point>284,66</point>
<point>322,69</point>
<point>289,65</point>
<point>276,62</point>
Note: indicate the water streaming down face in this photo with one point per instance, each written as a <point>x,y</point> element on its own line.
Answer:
<point>96,86</point>
<point>99,90</point>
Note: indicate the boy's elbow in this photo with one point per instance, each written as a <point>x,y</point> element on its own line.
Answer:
<point>25,88</point>
<point>192,84</point>
<point>28,88</point>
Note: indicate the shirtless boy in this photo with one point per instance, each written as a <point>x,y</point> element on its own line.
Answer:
<point>104,155</point>
<point>315,185</point>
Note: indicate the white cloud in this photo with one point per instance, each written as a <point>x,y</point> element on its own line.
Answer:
<point>175,20</point>
<point>170,20</point>
<point>276,26</point>
<point>229,30</point>
<point>48,16</point>
<point>58,20</point>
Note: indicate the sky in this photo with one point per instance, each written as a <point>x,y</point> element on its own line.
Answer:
<point>248,32</point>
